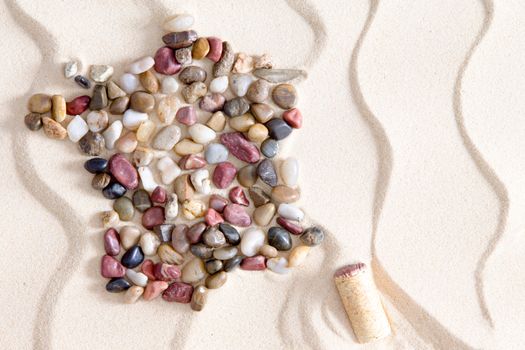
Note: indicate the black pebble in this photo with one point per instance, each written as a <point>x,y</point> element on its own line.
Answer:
<point>114,190</point>
<point>96,165</point>
<point>164,232</point>
<point>83,81</point>
<point>266,172</point>
<point>117,285</point>
<point>279,238</point>
<point>232,263</point>
<point>278,129</point>
<point>133,257</point>
<point>201,251</point>
<point>232,235</point>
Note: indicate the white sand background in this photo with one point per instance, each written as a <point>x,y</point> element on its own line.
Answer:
<point>411,156</point>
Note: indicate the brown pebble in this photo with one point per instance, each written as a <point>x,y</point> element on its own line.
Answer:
<point>33,121</point>
<point>183,187</point>
<point>262,112</point>
<point>119,105</point>
<point>141,101</point>
<point>247,176</point>
<point>149,81</point>
<point>264,214</point>
<point>284,96</point>
<point>285,194</point>
<point>258,91</point>
<point>268,251</point>
<point>258,196</point>
<point>39,103</point>
<point>58,111</point>
<point>201,47</point>
<point>100,181</point>
<point>217,280</point>
<point>53,129</point>
<point>92,144</point>
<point>242,123</point>
<point>199,296</point>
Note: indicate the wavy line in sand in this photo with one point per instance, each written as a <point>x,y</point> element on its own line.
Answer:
<point>483,166</point>
<point>426,326</point>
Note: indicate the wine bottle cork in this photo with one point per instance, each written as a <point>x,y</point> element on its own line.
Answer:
<point>362,302</point>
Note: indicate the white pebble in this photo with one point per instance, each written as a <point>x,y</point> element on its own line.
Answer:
<point>239,83</point>
<point>100,73</point>
<point>251,241</point>
<point>201,133</point>
<point>97,120</point>
<point>169,85</point>
<point>70,69</point>
<point>225,253</point>
<point>132,119</point>
<point>149,242</point>
<point>77,128</point>
<point>290,211</point>
<point>169,170</point>
<point>200,179</point>
<point>171,210</point>
<point>216,153</point>
<point>129,82</point>
<point>219,84</point>
<point>137,278</point>
<point>179,23</point>
<point>112,134</point>
<point>290,171</point>
<point>141,65</point>
<point>147,179</point>
<point>278,265</point>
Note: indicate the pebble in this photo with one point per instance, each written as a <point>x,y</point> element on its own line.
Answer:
<point>97,120</point>
<point>290,211</point>
<point>147,268</point>
<point>258,196</point>
<point>124,207</point>
<point>279,75</point>
<point>166,272</point>
<point>284,96</point>
<point>149,81</point>
<point>279,238</point>
<point>82,81</point>
<point>152,217</point>
<point>171,208</point>
<point>133,257</point>
<point>147,178</point>
<point>278,265</point>
<point>198,298</point>
<point>113,190</point>
<point>251,241</point>
<point>183,187</point>
<point>232,263</point>
<point>137,278</point>
<point>264,61</point>
<point>145,131</point>
<point>312,236</point>
<point>200,180</point>
<point>111,242</point>
<point>216,153</point>
<point>114,91</point>
<point>119,105</point>
<point>230,233</point>
<point>213,238</point>
<point>167,138</point>
<point>193,208</point>
<point>293,117</point>
<point>266,172</point>
<point>193,271</point>
<point>100,73</point>
<point>255,263</point>
<point>242,123</point>
<point>58,109</point>
<point>217,280</point>
<point>168,255</point>
<point>219,84</point>
<point>290,171</point>
<point>154,289</point>
<point>258,133</point>
<point>236,106</point>
<point>224,174</point>
<point>237,196</point>
<point>92,143</point>
<point>262,112</point>
<point>141,101</point>
<point>163,231</point>
<point>179,23</point>
<point>247,175</point>
<point>169,85</point>
<point>76,129</point>
<point>178,239</point>
<point>285,194</point>
<point>167,109</point>
<point>192,74</point>
<point>70,69</point>
<point>298,255</point>
<point>218,202</point>
<point>117,285</point>
<point>180,39</point>
<point>270,148</point>
<point>258,91</point>
<point>278,129</point>
<point>240,148</point>
<point>111,267</point>
<point>193,92</point>
<point>141,200</point>
<point>183,56</point>
<point>201,251</point>
<point>200,48</point>
<point>165,62</point>
<point>132,119</point>
<point>99,99</point>
<point>212,102</point>
<point>53,129</point>
<point>263,214</point>
<point>100,181</point>
<point>133,294</point>
<point>239,83</point>
<point>201,133</point>
<point>243,63</point>
<point>129,82</point>
<point>186,115</point>
<point>213,266</point>
<point>192,162</point>
<point>149,243</point>
<point>225,253</point>
<point>236,215</point>
<point>293,228</point>
<point>123,171</point>
<point>141,65</point>
<point>225,63</point>
<point>78,105</point>
<point>217,121</point>
<point>215,51</point>
<point>178,292</point>
<point>268,251</point>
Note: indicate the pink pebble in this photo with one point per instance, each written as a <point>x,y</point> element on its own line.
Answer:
<point>195,232</point>
<point>240,148</point>
<point>224,174</point>
<point>112,242</point>
<point>191,162</point>
<point>294,118</point>
<point>186,115</point>
<point>212,217</point>
<point>178,292</point>
<point>111,267</point>
<point>165,62</point>
<point>78,105</point>
<point>152,217</point>
<point>123,171</point>
<point>159,195</point>
<point>237,196</point>
<point>290,226</point>
<point>215,52</point>
<point>147,269</point>
<point>218,202</point>
<point>166,272</point>
<point>153,289</point>
<point>236,215</point>
<point>254,263</point>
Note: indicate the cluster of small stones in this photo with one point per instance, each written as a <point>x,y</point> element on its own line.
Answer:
<point>189,239</point>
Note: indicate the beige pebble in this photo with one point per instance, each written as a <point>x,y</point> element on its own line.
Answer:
<point>263,62</point>
<point>168,255</point>
<point>217,121</point>
<point>39,103</point>
<point>58,111</point>
<point>149,81</point>
<point>258,132</point>
<point>109,218</point>
<point>242,123</point>
<point>145,131</point>
<point>198,298</point>
<point>53,129</point>
<point>193,271</point>
<point>262,112</point>
<point>133,294</point>
<point>127,143</point>
<point>114,91</point>
<point>217,280</point>
<point>268,251</point>
<point>285,194</point>
<point>142,156</point>
<point>187,146</point>
<point>264,214</point>
<point>167,109</point>
<point>298,255</point>
<point>243,64</point>
<point>247,176</point>
<point>129,236</point>
<point>193,208</point>
<point>183,187</point>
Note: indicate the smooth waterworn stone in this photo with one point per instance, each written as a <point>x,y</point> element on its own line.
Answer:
<point>82,81</point>
<point>141,65</point>
<point>164,231</point>
<point>247,175</point>
<point>217,202</point>
<point>183,56</point>
<point>224,174</point>
<point>58,110</point>
<point>200,180</point>
<point>171,209</point>
<point>279,75</point>
<point>201,251</point>
<point>133,294</point>
<point>215,52</point>
<point>193,208</point>
<point>239,83</point>
<point>129,82</point>
<point>268,251</point>
<point>225,253</point>
<point>167,109</point>
<point>290,226</point>
<point>231,264</point>
<point>152,217</point>
<point>119,105</point>
<point>133,257</point>
<point>97,120</point>
<point>141,200</point>
<point>100,181</point>
<point>278,129</point>
<point>178,40</point>
<point>78,105</point>
<point>53,129</point>
<point>212,102</point>
<point>132,119</point>
<point>112,242</point>
<point>200,48</point>
<point>312,236</point>
<point>112,134</point>
<point>219,84</point>
<point>167,138</point>
<point>117,285</point>
<point>237,196</point>
<point>192,162</point>
<point>266,172</point>
<point>76,129</point>
<point>251,241</point>
<point>195,232</point>
<point>217,121</point>
<point>293,117</point>
<point>169,85</point>
<point>166,272</point>
<point>284,96</point>
<point>279,238</point>
<point>230,233</point>
<point>240,148</point>
<point>255,263</point>
<point>262,112</point>
<point>285,194</point>
<point>263,215</point>
<point>298,255</point>
<point>278,265</point>
<point>142,102</point>
<point>179,23</point>
<point>258,133</point>
<point>201,133</point>
<point>109,218</point>
<point>236,215</point>
<point>154,289</point>
<point>111,267</point>
<point>290,171</point>
<point>70,69</point>
<point>165,62</point>
<point>183,187</point>
<point>217,280</point>
<point>263,62</point>
<point>159,195</point>
<point>236,106</point>
<point>145,131</point>
<point>114,91</point>
<point>216,153</point>
<point>243,63</point>
<point>186,115</point>
<point>290,212</point>
<point>100,73</point>
<point>270,148</point>
<point>193,271</point>
<point>178,292</point>
<point>123,171</point>
<point>193,92</point>
<point>169,170</point>
<point>192,74</point>
<point>224,65</point>
<point>258,91</point>
<point>99,99</point>
<point>113,190</point>
<point>213,238</point>
<point>92,144</point>
<point>258,196</point>
<point>179,241</point>
<point>147,268</point>
<point>124,207</point>
<point>168,255</point>
<point>137,278</point>
<point>149,243</point>
<point>147,179</point>
<point>242,123</point>
<point>198,298</point>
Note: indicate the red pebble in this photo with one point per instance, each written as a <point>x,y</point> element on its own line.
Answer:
<point>111,267</point>
<point>123,171</point>
<point>178,292</point>
<point>195,232</point>
<point>294,118</point>
<point>218,202</point>
<point>224,174</point>
<point>166,272</point>
<point>237,196</point>
<point>240,148</point>
<point>112,242</point>
<point>186,115</point>
<point>212,217</point>
<point>78,105</point>
<point>215,52</point>
<point>159,195</point>
<point>147,269</point>
<point>153,289</point>
<point>165,62</point>
<point>254,263</point>
<point>290,226</point>
<point>152,217</point>
<point>191,162</point>
<point>236,215</point>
